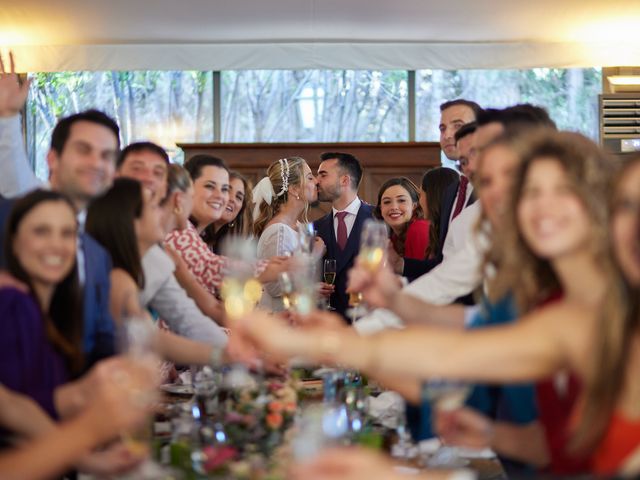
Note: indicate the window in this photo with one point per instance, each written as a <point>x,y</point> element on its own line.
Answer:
<point>164,107</point>
<point>314,106</point>
<point>297,105</point>
<point>569,95</point>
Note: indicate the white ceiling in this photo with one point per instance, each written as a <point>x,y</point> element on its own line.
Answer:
<point>166,34</point>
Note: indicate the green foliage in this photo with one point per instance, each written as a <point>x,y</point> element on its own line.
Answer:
<point>298,105</point>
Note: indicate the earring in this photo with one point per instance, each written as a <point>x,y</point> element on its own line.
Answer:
<point>177,210</point>
<point>297,197</point>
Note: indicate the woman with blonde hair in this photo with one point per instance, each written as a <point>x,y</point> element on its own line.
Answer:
<point>281,199</point>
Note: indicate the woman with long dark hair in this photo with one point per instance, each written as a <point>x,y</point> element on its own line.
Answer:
<point>236,219</point>
<point>126,222</point>
<point>399,207</point>
<point>41,330</point>
<point>434,183</point>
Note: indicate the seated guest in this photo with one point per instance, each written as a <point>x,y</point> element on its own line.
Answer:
<point>434,183</point>
<point>466,427</point>
<point>149,164</point>
<point>42,329</point>
<point>176,210</point>
<point>41,339</point>
<point>236,219</point>
<point>282,199</point>
<point>453,207</point>
<point>399,207</point>
<point>126,221</point>
<point>210,177</point>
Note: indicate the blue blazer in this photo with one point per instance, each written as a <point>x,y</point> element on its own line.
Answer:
<point>98,327</point>
<point>344,258</point>
<point>416,268</point>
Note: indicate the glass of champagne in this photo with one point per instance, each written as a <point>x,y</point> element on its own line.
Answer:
<point>240,290</point>
<point>137,340</point>
<point>447,396</point>
<point>329,276</point>
<point>286,289</point>
<point>373,244</point>
<point>306,238</point>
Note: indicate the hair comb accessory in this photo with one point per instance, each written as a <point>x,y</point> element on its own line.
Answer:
<point>284,175</point>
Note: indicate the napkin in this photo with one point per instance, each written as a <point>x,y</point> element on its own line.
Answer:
<point>387,408</point>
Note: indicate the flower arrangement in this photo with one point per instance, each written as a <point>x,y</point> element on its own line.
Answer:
<point>255,419</point>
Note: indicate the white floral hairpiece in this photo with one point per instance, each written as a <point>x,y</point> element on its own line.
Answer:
<point>284,174</point>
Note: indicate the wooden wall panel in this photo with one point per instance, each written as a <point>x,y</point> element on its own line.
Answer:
<point>380,161</point>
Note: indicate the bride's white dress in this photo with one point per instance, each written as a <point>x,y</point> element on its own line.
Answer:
<point>278,239</point>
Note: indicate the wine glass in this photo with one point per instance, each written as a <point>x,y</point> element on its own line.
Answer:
<point>445,395</point>
<point>330,276</point>
<point>355,302</point>
<point>373,244</point>
<point>304,282</point>
<point>240,290</point>
<point>306,238</point>
<point>137,338</point>
<point>286,289</point>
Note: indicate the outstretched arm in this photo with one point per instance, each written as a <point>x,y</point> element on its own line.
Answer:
<point>17,176</point>
<point>532,348</point>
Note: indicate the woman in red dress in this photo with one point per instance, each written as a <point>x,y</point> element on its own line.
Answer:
<point>398,206</point>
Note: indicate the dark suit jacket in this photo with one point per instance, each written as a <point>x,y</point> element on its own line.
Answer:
<point>98,327</point>
<point>344,258</point>
<point>416,268</point>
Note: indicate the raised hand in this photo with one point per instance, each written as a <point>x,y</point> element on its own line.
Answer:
<point>378,289</point>
<point>13,94</point>
<point>464,427</point>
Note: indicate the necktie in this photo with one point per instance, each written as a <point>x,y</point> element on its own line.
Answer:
<point>342,230</point>
<point>462,196</point>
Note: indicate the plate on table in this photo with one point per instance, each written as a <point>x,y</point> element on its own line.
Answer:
<point>181,390</point>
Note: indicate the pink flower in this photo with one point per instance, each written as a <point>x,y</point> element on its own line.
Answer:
<point>275,406</point>
<point>274,420</point>
<point>217,457</point>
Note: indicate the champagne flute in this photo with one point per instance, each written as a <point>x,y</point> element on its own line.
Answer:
<point>240,290</point>
<point>137,339</point>
<point>373,247</point>
<point>445,395</point>
<point>330,276</point>
<point>373,243</point>
<point>306,238</point>
<point>286,289</point>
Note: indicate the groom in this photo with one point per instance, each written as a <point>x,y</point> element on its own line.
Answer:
<point>339,176</point>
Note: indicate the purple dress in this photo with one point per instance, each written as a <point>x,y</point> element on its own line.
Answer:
<point>29,364</point>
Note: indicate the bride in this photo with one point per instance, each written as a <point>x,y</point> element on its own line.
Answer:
<point>280,200</point>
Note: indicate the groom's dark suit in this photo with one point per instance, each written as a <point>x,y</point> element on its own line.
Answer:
<point>344,258</point>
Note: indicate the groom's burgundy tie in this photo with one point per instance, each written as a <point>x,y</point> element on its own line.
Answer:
<point>342,230</point>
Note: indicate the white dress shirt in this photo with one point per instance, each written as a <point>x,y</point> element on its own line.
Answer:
<point>350,219</point>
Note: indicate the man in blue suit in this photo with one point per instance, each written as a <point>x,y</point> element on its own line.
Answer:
<point>339,177</point>
<point>81,163</point>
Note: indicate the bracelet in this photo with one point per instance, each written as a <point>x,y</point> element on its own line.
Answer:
<point>215,359</point>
